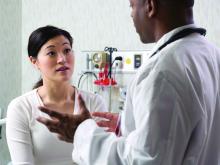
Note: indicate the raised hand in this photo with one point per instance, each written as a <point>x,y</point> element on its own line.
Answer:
<point>63,124</point>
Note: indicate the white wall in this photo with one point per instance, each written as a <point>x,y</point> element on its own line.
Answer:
<point>10,60</point>
<point>94,24</point>
<point>10,47</point>
<point>207,15</point>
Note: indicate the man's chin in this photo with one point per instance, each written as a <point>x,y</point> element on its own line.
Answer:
<point>146,40</point>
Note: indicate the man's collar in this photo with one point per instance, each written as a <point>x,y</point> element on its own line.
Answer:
<point>168,35</point>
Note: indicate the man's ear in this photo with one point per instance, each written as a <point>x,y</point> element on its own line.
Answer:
<point>34,61</point>
<point>151,7</point>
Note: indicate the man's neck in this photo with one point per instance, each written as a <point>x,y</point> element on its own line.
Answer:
<point>167,23</point>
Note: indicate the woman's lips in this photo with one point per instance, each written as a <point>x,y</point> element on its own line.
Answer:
<point>63,68</point>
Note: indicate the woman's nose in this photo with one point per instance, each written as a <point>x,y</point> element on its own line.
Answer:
<point>61,58</point>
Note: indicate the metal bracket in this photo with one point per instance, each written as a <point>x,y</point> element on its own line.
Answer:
<point>0,132</point>
<point>1,122</point>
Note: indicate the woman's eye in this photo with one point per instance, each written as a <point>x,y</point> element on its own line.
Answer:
<point>51,53</point>
<point>66,51</point>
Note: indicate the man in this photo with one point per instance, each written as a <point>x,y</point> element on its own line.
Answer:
<point>172,109</point>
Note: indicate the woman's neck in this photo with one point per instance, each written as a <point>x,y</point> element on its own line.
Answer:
<point>56,93</point>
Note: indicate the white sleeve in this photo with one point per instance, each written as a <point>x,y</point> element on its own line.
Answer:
<point>162,131</point>
<point>18,135</point>
<point>96,147</point>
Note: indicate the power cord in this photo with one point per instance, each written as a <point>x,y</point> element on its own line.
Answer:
<point>86,73</point>
<point>118,58</point>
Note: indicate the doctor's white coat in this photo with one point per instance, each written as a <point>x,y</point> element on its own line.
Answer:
<point>172,112</point>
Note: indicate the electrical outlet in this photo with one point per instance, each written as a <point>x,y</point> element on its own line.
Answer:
<point>137,60</point>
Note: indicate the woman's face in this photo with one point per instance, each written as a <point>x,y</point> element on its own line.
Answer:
<point>56,60</point>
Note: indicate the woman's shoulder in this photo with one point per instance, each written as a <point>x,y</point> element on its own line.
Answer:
<point>21,107</point>
<point>25,103</point>
<point>24,98</point>
<point>88,95</point>
<point>93,101</point>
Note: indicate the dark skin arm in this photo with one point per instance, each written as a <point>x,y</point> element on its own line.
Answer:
<point>65,125</point>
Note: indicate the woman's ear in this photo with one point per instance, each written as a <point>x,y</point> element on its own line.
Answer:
<point>34,61</point>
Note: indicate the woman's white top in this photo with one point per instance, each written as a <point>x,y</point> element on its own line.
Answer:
<point>30,142</point>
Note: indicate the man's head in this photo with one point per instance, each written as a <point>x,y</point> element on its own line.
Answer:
<point>153,18</point>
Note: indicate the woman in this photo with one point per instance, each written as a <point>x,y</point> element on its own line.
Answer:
<point>30,143</point>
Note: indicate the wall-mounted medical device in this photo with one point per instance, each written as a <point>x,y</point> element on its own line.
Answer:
<point>124,65</point>
<point>103,61</point>
<point>100,59</point>
<point>129,61</point>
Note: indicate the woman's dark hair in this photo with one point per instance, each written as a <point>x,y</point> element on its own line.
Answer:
<point>39,37</point>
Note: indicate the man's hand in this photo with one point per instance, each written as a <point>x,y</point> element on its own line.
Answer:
<point>65,125</point>
<point>110,123</point>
